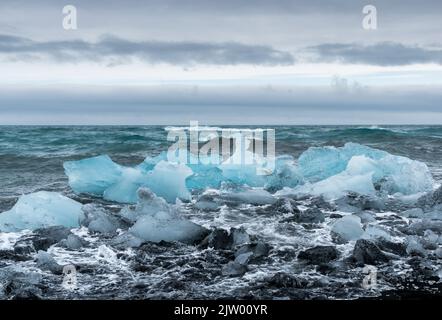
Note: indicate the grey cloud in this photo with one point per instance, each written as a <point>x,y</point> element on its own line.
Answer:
<point>283,24</point>
<point>176,53</point>
<point>382,54</point>
<point>243,6</point>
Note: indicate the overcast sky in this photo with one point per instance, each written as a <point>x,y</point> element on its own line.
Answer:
<point>220,62</point>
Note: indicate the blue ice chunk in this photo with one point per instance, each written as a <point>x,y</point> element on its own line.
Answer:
<point>204,177</point>
<point>244,167</point>
<point>125,189</point>
<point>319,163</point>
<point>147,204</point>
<point>348,228</point>
<point>150,162</point>
<point>286,174</point>
<point>156,221</point>
<point>101,176</point>
<point>393,174</point>
<point>389,175</point>
<point>92,175</point>
<point>165,227</point>
<point>168,180</point>
<point>243,175</point>
<point>334,171</point>
<point>206,173</point>
<point>328,171</point>
<point>41,209</point>
<point>339,185</point>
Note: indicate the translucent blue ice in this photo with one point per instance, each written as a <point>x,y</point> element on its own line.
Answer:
<point>328,171</point>
<point>92,175</point>
<point>101,176</point>
<point>319,163</point>
<point>125,189</point>
<point>286,174</point>
<point>168,180</point>
<point>335,171</point>
<point>348,228</point>
<point>39,210</point>
<point>157,221</point>
<point>205,177</point>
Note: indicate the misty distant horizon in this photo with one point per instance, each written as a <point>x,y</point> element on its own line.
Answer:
<point>230,62</point>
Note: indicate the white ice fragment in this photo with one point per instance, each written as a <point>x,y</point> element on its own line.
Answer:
<point>168,180</point>
<point>41,209</point>
<point>339,185</point>
<point>414,246</point>
<point>373,232</point>
<point>125,189</point>
<point>158,221</point>
<point>163,226</point>
<point>348,228</point>
<point>413,213</point>
<point>438,253</point>
<point>324,166</point>
<point>148,204</point>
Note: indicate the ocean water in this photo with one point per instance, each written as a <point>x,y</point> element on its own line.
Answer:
<point>32,157</point>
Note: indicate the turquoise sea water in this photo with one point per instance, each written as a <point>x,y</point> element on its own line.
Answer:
<point>31,157</point>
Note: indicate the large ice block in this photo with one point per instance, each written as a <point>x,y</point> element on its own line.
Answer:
<point>158,221</point>
<point>39,210</point>
<point>92,175</point>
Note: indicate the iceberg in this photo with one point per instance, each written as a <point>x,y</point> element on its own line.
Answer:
<point>42,209</point>
<point>205,171</point>
<point>168,180</point>
<point>393,174</point>
<point>125,189</point>
<point>92,175</point>
<point>102,177</point>
<point>356,168</point>
<point>245,166</point>
<point>286,174</point>
<point>204,176</point>
<point>158,221</point>
<point>339,185</point>
<point>163,227</point>
<point>397,174</point>
<point>150,162</point>
<point>98,220</point>
<point>328,171</point>
<point>319,163</point>
<point>242,175</point>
